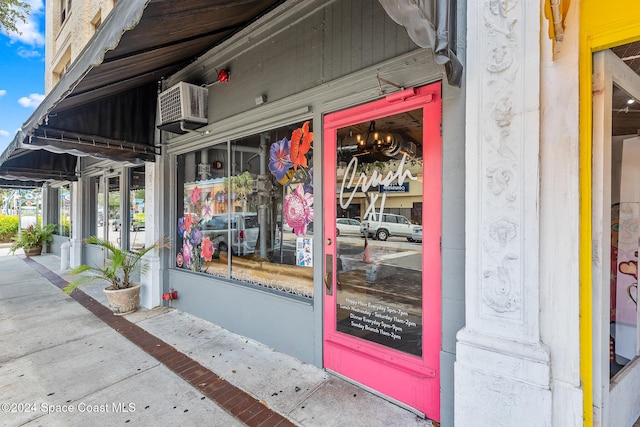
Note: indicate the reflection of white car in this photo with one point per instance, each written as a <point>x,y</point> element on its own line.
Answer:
<point>347,226</point>
<point>387,225</point>
<point>244,232</point>
<point>416,234</point>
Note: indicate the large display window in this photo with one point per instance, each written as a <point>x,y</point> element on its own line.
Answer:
<point>137,217</point>
<point>64,211</point>
<point>246,210</point>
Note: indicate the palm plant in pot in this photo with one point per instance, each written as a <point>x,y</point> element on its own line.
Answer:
<point>122,293</point>
<point>33,238</point>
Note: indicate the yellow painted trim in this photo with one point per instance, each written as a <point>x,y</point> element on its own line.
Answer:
<point>602,25</point>
<point>586,276</point>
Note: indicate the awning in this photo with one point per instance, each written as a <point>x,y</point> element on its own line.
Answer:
<point>104,106</point>
<point>430,24</point>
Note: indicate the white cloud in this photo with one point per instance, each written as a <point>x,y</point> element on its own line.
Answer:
<point>28,53</point>
<point>3,133</point>
<point>31,101</point>
<point>29,32</point>
<point>3,92</point>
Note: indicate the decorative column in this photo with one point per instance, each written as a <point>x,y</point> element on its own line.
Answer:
<point>151,291</point>
<point>502,370</point>
<point>77,220</point>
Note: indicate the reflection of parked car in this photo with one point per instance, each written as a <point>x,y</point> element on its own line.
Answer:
<point>137,225</point>
<point>137,222</point>
<point>115,223</point>
<point>416,234</point>
<point>347,226</point>
<point>386,226</point>
<point>244,232</point>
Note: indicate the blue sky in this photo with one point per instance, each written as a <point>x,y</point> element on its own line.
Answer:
<point>21,73</point>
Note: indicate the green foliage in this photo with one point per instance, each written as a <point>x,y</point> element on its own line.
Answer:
<point>8,227</point>
<point>32,237</point>
<point>11,12</point>
<point>64,227</point>
<point>118,268</point>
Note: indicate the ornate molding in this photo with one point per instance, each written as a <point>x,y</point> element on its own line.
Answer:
<point>501,290</point>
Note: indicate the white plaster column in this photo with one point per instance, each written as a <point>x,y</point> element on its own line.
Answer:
<point>502,370</point>
<point>151,292</point>
<point>77,217</point>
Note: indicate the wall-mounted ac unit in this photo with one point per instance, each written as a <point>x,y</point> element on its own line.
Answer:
<point>183,106</point>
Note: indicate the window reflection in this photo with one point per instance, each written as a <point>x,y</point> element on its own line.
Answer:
<point>247,210</point>
<point>137,217</point>
<point>379,233</point>
<point>64,211</point>
<point>113,209</point>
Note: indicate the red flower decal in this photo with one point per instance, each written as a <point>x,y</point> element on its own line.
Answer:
<point>301,140</point>
<point>207,249</point>
<point>188,222</point>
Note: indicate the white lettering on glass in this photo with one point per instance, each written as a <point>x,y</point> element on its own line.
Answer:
<point>365,182</point>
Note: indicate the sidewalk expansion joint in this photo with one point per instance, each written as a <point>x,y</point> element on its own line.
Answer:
<point>232,399</point>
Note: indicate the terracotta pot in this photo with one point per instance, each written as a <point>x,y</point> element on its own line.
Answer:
<point>123,301</point>
<point>32,251</point>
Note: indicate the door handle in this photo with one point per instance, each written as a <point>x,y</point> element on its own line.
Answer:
<point>328,275</point>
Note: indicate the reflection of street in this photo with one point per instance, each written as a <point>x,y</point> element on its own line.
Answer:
<point>393,252</point>
<point>380,294</point>
<point>136,238</point>
<point>387,311</point>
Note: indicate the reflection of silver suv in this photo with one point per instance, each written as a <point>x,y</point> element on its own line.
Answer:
<point>244,232</point>
<point>388,225</point>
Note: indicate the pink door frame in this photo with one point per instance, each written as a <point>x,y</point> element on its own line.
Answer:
<point>411,380</point>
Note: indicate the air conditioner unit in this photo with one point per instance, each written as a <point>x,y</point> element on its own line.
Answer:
<point>183,106</point>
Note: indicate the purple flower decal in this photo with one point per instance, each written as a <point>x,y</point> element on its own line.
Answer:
<point>298,211</point>
<point>308,186</point>
<point>187,251</point>
<point>207,211</point>
<point>195,237</point>
<point>279,161</point>
<point>181,226</point>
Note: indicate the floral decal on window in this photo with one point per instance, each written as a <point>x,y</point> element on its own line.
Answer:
<point>279,160</point>
<point>298,211</point>
<point>289,165</point>
<point>300,145</point>
<point>202,204</point>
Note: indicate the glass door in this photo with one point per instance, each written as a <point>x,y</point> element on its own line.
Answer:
<point>382,246</point>
<point>616,229</point>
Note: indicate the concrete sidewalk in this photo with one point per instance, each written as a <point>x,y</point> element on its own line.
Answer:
<point>60,364</point>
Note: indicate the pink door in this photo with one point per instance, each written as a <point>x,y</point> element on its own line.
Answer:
<point>382,246</point>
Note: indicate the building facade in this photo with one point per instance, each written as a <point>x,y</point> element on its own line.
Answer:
<point>328,190</point>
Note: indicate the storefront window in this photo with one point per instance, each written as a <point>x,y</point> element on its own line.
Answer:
<point>64,211</point>
<point>246,210</point>
<point>136,208</point>
<point>96,197</point>
<point>112,233</point>
<point>625,237</point>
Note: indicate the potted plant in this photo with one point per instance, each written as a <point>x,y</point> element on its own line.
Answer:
<point>122,294</point>
<point>32,238</point>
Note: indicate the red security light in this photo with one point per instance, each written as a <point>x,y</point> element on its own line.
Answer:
<point>223,76</point>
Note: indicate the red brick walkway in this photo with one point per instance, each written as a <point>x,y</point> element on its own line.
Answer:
<point>238,403</point>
